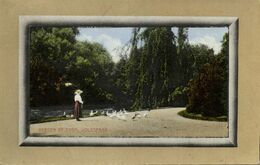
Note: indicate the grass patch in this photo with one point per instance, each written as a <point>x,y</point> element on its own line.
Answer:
<point>49,119</point>
<point>186,114</point>
<point>58,118</point>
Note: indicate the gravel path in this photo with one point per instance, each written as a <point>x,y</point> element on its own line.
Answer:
<point>159,123</point>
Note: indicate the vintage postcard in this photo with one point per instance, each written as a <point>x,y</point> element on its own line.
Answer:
<point>145,78</point>
<point>129,82</point>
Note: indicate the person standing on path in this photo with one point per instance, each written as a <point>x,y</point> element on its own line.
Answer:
<point>77,103</point>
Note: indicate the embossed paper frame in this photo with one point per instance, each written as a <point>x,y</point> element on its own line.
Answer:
<point>126,21</point>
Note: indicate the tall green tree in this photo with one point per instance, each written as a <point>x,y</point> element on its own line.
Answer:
<point>224,54</point>
<point>92,72</point>
<point>208,90</point>
<point>155,63</point>
<point>51,49</point>
<point>57,59</point>
<point>183,54</point>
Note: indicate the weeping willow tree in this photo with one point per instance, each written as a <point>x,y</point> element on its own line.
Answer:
<point>153,63</point>
<point>160,65</point>
<point>184,58</point>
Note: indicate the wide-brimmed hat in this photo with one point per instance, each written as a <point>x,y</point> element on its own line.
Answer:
<point>78,91</point>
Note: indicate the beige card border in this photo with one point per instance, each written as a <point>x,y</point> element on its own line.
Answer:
<point>247,151</point>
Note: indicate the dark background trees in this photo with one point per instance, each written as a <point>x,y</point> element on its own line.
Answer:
<point>162,65</point>
<point>51,49</point>
<point>59,64</point>
<point>208,91</point>
<point>162,69</point>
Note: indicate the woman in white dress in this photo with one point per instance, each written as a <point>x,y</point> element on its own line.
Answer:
<point>77,104</point>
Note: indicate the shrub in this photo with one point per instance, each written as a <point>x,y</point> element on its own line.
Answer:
<point>186,114</point>
<point>207,92</point>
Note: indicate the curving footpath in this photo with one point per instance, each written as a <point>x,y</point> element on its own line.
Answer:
<point>158,123</point>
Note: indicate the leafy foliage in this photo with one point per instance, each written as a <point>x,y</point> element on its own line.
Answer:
<point>92,71</point>
<point>154,63</point>
<point>208,90</point>
<point>50,50</point>
<point>57,59</point>
<point>196,116</point>
<point>162,69</point>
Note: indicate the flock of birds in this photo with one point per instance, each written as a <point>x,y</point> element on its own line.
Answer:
<point>121,114</point>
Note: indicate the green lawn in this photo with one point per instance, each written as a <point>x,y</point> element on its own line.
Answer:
<point>49,119</point>
<point>184,113</point>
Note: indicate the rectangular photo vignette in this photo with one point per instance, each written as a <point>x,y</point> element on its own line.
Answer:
<point>130,81</point>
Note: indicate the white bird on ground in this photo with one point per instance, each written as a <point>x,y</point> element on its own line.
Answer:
<point>112,115</point>
<point>92,113</point>
<point>120,112</point>
<point>145,114</point>
<point>102,112</point>
<point>137,114</point>
<point>107,113</point>
<point>125,112</point>
<point>121,116</point>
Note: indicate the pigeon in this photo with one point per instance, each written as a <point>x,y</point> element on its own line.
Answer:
<point>107,113</point>
<point>146,114</point>
<point>120,112</point>
<point>92,113</point>
<point>111,115</point>
<point>121,116</point>
<point>103,113</point>
<point>125,112</point>
<point>137,114</point>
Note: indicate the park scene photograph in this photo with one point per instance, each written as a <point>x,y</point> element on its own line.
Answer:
<point>156,81</point>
